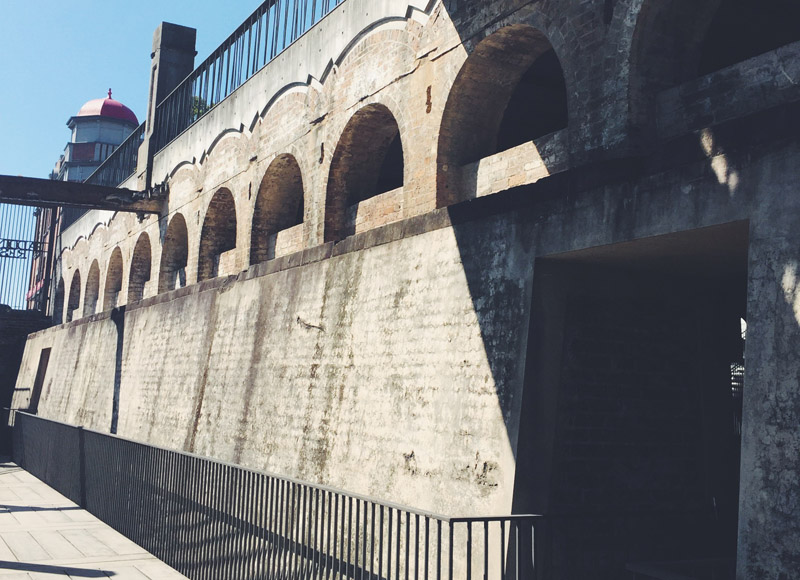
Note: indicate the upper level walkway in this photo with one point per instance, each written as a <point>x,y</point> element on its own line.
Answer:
<point>43,535</point>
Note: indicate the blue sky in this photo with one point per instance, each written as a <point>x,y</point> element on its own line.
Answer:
<point>55,56</point>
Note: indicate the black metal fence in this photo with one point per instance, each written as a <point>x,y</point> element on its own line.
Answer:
<point>121,164</point>
<point>18,250</point>
<point>269,30</point>
<point>213,520</point>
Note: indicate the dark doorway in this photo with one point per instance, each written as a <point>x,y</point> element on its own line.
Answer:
<point>630,440</point>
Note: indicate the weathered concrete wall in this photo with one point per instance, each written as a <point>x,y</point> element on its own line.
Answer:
<point>383,371</point>
<point>79,383</point>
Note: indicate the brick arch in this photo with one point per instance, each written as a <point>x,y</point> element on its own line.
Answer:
<point>368,160</point>
<point>92,294</point>
<point>74,299</point>
<point>141,266</point>
<point>510,90</point>
<point>218,234</point>
<point>665,48</point>
<point>174,255</point>
<point>113,280</point>
<point>742,29</point>
<point>58,302</point>
<point>279,206</point>
<point>675,41</point>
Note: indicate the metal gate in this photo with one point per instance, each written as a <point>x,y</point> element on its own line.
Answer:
<point>19,252</point>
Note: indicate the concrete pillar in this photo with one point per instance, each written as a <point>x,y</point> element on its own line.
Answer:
<point>171,61</point>
<point>769,501</point>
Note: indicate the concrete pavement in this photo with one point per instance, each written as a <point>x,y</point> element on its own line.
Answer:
<point>44,536</point>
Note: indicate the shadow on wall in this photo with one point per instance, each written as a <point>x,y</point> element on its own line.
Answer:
<point>498,259</point>
<point>675,42</point>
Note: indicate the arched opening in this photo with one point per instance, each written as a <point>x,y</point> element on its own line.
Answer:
<point>677,41</point>
<point>140,269</point>
<point>174,256</point>
<point>58,303</point>
<point>113,280</point>
<point>510,91</point>
<point>92,290</point>
<point>367,162</point>
<point>74,299</point>
<point>537,106</point>
<point>279,207</point>
<point>742,29</point>
<point>217,237</point>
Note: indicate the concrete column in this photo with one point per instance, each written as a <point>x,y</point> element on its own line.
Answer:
<point>769,501</point>
<point>171,61</point>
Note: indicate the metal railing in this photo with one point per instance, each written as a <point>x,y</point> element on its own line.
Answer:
<point>274,26</point>
<point>210,519</point>
<point>121,164</point>
<point>267,32</point>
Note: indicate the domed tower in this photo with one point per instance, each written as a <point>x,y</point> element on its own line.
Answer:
<point>97,130</point>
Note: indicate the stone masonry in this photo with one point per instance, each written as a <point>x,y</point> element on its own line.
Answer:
<point>344,285</point>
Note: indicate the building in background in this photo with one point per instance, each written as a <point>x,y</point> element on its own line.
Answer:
<point>98,128</point>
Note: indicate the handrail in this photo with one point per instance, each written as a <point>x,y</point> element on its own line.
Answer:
<point>121,164</point>
<point>212,519</point>
<point>269,30</point>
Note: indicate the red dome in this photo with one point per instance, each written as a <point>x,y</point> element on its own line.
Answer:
<point>107,107</point>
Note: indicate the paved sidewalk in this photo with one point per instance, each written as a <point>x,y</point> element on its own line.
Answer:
<point>44,536</point>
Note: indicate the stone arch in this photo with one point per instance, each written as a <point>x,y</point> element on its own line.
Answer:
<point>368,160</point>
<point>174,255</point>
<point>113,280</point>
<point>74,299</point>
<point>218,236</point>
<point>58,302</point>
<point>510,90</point>
<point>92,289</point>
<point>140,268</point>
<point>742,29</point>
<point>679,40</point>
<point>279,206</point>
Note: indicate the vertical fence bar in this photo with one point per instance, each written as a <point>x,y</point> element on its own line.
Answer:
<point>486,550</point>
<point>408,539</point>
<point>274,498</point>
<point>416,546</point>
<point>502,549</point>
<point>397,555</point>
<point>516,549</point>
<point>389,547</point>
<point>427,545</point>
<point>372,541</point>
<point>380,542</point>
<point>469,549</point>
